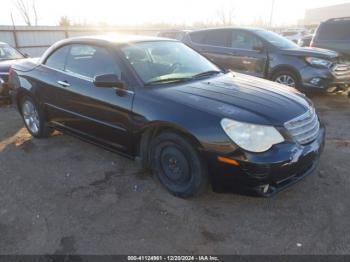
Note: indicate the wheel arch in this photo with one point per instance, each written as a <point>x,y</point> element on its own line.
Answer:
<point>22,92</point>
<point>281,68</point>
<point>147,133</point>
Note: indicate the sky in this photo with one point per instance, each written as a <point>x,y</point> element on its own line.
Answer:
<point>182,12</point>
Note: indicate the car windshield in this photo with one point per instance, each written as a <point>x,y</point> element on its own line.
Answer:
<point>8,53</point>
<point>276,40</point>
<point>167,61</point>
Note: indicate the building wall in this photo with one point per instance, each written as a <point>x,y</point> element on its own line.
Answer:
<point>315,16</point>
<point>35,40</point>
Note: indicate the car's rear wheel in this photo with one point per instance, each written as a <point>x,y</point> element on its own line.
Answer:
<point>178,165</point>
<point>33,118</point>
<point>287,78</point>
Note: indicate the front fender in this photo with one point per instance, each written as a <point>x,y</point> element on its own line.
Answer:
<point>151,111</point>
<point>285,62</point>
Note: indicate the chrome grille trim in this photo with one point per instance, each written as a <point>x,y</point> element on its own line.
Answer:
<point>341,69</point>
<point>301,123</point>
<point>305,128</point>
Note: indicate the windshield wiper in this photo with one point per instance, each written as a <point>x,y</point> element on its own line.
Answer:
<point>183,79</point>
<point>207,73</point>
<point>169,80</point>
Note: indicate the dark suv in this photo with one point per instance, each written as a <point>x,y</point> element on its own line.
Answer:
<point>334,34</point>
<point>268,55</point>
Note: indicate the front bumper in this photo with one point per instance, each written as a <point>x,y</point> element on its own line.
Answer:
<point>280,167</point>
<point>324,78</point>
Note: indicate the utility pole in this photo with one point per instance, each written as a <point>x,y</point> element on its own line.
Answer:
<point>271,13</point>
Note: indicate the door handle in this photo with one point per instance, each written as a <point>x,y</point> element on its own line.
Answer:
<point>63,83</point>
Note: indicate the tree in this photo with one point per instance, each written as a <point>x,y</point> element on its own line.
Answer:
<point>64,21</point>
<point>27,9</point>
<point>225,15</point>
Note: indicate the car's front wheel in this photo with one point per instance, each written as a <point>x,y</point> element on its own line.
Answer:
<point>33,118</point>
<point>286,78</point>
<point>178,165</point>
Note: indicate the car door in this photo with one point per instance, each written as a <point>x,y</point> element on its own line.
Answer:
<point>213,44</point>
<point>101,114</point>
<point>247,53</point>
<point>50,91</point>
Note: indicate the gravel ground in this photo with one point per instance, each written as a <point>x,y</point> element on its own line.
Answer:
<point>64,196</point>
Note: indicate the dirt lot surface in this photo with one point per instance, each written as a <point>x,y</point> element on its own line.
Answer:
<point>61,195</point>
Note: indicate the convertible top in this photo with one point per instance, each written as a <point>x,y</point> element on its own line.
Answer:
<point>110,39</point>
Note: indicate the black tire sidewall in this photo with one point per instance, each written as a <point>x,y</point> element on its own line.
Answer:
<point>199,178</point>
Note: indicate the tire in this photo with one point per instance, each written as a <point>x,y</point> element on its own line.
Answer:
<point>33,118</point>
<point>178,165</point>
<point>286,77</point>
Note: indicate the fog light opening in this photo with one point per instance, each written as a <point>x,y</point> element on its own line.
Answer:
<point>315,81</point>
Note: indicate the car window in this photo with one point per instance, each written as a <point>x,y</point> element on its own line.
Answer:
<point>275,39</point>
<point>244,40</point>
<point>57,59</point>
<point>198,37</point>
<point>217,38</point>
<point>90,61</point>
<point>334,31</point>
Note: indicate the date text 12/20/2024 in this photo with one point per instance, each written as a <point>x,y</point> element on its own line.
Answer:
<point>173,258</point>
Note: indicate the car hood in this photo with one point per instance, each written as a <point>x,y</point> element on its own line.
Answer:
<point>6,64</point>
<point>242,98</point>
<point>311,51</point>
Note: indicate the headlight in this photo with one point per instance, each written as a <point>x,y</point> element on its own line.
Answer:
<point>318,61</point>
<point>251,137</point>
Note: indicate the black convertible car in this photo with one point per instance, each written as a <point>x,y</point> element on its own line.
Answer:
<point>161,102</point>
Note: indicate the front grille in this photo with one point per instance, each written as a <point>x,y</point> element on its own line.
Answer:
<point>305,128</point>
<point>341,69</point>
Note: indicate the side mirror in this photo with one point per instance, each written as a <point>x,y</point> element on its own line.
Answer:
<point>108,81</point>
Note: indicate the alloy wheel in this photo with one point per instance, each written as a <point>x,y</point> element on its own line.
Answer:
<point>31,116</point>
<point>286,80</point>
